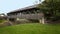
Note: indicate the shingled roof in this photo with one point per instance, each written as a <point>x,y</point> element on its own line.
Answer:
<point>21,9</point>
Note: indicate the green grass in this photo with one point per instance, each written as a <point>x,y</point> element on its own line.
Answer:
<point>31,29</point>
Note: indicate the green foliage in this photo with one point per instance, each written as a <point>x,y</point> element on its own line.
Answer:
<point>51,7</point>
<point>1,21</point>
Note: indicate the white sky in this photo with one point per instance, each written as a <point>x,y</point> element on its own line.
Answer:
<point>9,5</point>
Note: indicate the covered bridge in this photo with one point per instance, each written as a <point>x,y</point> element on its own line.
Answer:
<point>31,12</point>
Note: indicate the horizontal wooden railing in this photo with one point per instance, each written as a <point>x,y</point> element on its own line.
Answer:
<point>27,16</point>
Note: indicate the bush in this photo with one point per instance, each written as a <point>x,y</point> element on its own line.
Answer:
<point>1,21</point>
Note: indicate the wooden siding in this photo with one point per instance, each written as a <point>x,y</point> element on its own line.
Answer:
<point>27,16</point>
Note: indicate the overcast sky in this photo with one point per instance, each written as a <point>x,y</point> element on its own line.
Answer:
<point>10,5</point>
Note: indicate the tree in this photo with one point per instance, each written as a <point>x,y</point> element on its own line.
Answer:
<point>50,7</point>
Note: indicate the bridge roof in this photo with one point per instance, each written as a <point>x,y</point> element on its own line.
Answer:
<point>26,8</point>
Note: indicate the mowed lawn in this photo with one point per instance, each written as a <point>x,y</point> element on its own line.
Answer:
<point>33,28</point>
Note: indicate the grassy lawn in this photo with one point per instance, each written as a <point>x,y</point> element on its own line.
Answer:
<point>31,29</point>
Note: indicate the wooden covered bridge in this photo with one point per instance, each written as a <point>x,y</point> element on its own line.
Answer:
<point>31,12</point>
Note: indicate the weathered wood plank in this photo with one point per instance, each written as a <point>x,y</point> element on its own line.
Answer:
<point>27,16</point>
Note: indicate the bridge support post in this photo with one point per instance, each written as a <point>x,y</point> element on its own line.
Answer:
<point>42,20</point>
